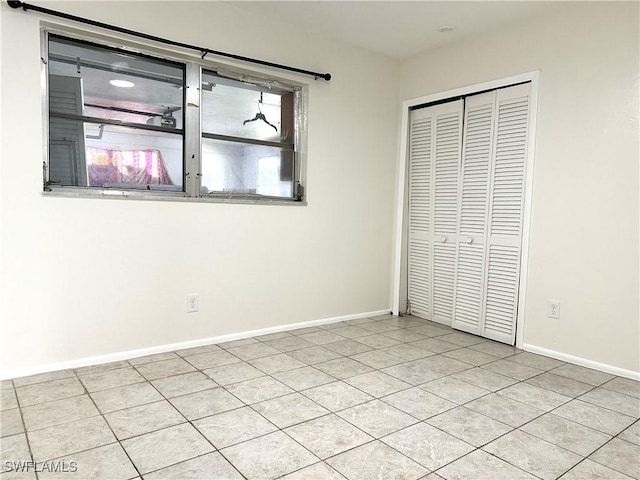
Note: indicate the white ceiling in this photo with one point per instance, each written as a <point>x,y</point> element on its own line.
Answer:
<point>399,29</point>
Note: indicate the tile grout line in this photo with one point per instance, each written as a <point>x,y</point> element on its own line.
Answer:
<point>244,405</point>
<point>344,380</point>
<point>497,438</point>
<point>85,392</point>
<point>490,441</point>
<point>374,438</point>
<point>378,439</point>
<point>187,421</point>
<point>518,381</point>
<point>247,361</point>
<point>490,392</point>
<point>600,448</point>
<point>280,429</point>
<point>108,425</point>
<point>583,457</point>
<point>24,426</point>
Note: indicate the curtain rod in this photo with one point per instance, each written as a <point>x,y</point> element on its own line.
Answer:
<point>204,51</point>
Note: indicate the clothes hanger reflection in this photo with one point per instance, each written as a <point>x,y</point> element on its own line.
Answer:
<point>260,116</point>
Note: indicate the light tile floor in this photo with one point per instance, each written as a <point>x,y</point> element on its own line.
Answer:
<point>375,398</point>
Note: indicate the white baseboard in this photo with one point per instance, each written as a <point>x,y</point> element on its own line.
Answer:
<point>115,357</point>
<point>584,362</point>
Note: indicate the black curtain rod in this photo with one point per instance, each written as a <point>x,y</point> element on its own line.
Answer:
<point>204,51</point>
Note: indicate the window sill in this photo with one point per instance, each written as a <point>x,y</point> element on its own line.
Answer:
<point>165,197</point>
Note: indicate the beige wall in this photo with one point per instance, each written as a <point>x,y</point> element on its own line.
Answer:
<point>584,226</point>
<point>86,277</point>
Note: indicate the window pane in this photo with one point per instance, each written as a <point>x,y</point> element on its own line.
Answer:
<point>114,85</point>
<point>237,168</point>
<point>108,156</point>
<point>234,108</point>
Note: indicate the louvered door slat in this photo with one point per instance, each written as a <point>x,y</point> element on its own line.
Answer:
<point>448,145</point>
<point>420,178</point>
<point>502,293</point>
<point>443,273</point>
<point>420,174</point>
<point>419,273</point>
<point>473,201</point>
<point>447,163</point>
<point>505,213</point>
<point>434,152</point>
<point>468,288</point>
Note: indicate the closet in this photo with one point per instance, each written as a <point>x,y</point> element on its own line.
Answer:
<point>467,167</point>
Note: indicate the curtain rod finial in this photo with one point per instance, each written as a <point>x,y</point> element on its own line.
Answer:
<point>14,4</point>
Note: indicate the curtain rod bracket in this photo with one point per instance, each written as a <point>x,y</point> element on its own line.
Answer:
<point>204,51</point>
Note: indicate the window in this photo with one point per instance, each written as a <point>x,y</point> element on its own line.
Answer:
<point>140,125</point>
<point>247,138</point>
<point>115,119</point>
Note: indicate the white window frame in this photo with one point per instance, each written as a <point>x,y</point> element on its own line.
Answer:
<point>192,131</point>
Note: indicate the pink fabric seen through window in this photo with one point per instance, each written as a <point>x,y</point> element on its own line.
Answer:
<point>138,167</point>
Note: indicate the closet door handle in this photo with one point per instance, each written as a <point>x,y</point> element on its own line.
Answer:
<point>470,240</point>
<point>443,239</point>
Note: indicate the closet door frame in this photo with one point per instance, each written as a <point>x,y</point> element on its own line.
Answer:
<point>400,237</point>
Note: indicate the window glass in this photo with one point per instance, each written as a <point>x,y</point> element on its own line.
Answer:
<point>112,156</point>
<point>91,91</point>
<point>248,144</point>
<point>118,120</point>
<point>130,158</point>
<point>119,86</point>
<point>241,109</point>
<point>236,168</point>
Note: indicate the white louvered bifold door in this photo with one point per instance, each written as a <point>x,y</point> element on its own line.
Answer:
<point>473,205</point>
<point>446,167</point>
<point>419,248</point>
<point>434,152</point>
<point>506,201</point>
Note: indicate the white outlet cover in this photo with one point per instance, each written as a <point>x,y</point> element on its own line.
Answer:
<point>553,309</point>
<point>193,302</point>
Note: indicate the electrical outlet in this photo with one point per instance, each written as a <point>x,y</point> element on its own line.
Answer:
<point>553,309</point>
<point>193,302</point>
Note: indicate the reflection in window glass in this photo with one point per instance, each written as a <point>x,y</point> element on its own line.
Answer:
<point>136,158</point>
<point>236,168</point>
<point>111,167</point>
<point>116,157</point>
<point>120,86</point>
<point>118,119</point>
<point>239,109</point>
<point>88,84</point>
